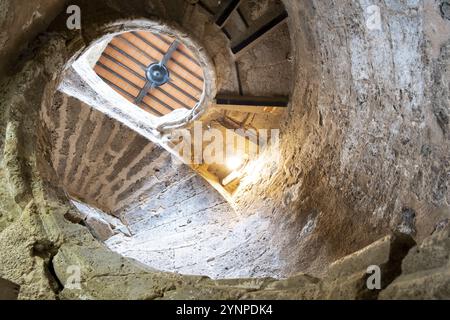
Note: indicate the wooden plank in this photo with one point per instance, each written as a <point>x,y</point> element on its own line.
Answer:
<point>225,10</point>
<point>139,79</point>
<point>132,91</point>
<point>205,8</point>
<point>257,31</point>
<point>233,176</point>
<point>125,60</point>
<point>202,170</point>
<point>251,104</point>
<point>250,109</point>
<point>168,95</point>
<point>182,49</point>
<point>8,290</point>
<point>238,131</point>
<point>131,98</point>
<point>145,58</point>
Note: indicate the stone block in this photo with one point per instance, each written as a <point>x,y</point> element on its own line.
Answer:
<point>425,271</point>
<point>347,277</point>
<point>8,290</point>
<point>99,228</point>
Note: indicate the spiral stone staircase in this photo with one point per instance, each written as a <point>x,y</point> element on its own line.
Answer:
<point>91,176</point>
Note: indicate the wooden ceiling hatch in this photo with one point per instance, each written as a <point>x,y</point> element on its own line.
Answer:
<point>154,71</point>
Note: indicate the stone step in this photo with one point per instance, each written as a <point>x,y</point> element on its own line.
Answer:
<point>347,278</point>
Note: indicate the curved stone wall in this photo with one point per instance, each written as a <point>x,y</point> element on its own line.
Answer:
<point>365,146</point>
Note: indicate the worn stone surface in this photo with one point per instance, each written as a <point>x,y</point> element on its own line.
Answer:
<point>178,222</point>
<point>425,271</point>
<point>347,277</point>
<point>189,228</point>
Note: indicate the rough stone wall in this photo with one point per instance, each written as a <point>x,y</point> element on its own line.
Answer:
<point>98,160</point>
<point>365,146</point>
<point>20,22</point>
<point>425,270</point>
<point>177,221</point>
<point>185,226</point>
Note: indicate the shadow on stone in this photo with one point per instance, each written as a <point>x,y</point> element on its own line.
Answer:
<point>8,290</point>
